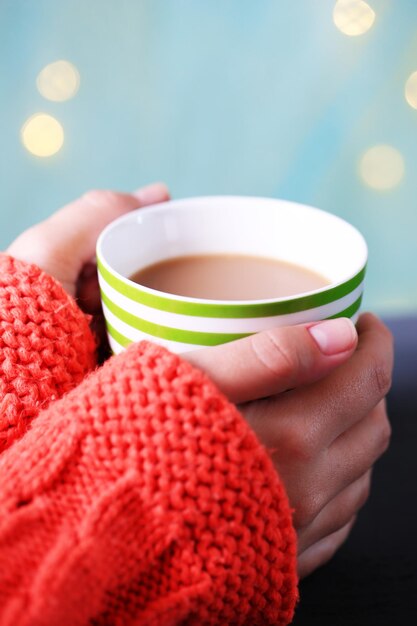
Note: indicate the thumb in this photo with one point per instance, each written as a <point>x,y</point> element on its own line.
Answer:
<point>277,360</point>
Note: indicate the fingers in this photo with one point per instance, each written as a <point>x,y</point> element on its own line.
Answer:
<point>327,472</point>
<point>359,447</point>
<point>276,360</point>
<point>332,480</point>
<point>345,396</point>
<point>321,552</point>
<point>86,217</point>
<point>63,243</point>
<point>335,515</point>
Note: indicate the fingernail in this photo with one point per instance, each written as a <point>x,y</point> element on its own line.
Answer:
<point>151,194</point>
<point>334,336</point>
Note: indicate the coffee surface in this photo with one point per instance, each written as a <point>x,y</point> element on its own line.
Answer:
<point>228,277</point>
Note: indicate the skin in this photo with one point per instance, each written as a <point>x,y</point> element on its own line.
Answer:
<point>319,411</point>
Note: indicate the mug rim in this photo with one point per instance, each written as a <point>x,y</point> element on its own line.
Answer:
<point>353,279</point>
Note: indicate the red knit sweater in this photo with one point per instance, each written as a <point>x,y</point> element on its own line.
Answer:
<point>135,494</point>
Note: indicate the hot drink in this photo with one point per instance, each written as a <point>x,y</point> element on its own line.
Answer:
<point>229,277</point>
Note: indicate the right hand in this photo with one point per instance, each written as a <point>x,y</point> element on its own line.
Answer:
<point>319,412</point>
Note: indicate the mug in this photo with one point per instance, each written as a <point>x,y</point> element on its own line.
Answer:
<point>278,229</point>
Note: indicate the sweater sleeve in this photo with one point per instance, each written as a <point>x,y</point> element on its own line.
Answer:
<point>46,346</point>
<point>143,497</point>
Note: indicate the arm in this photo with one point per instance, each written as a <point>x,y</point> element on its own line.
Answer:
<point>46,345</point>
<point>321,439</point>
<point>143,472</point>
<point>143,497</point>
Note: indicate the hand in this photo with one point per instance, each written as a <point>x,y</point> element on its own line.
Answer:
<point>320,412</point>
<point>64,244</point>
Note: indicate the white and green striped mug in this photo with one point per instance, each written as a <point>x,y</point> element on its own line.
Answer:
<point>264,227</point>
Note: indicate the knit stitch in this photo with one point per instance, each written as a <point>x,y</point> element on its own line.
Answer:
<point>46,346</point>
<point>140,497</point>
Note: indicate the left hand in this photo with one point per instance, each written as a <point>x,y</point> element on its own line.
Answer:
<point>64,244</point>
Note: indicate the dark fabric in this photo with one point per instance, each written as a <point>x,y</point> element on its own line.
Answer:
<point>373,578</point>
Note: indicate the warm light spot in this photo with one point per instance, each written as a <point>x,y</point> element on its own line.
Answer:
<point>411,90</point>
<point>58,81</point>
<point>353,17</point>
<point>382,167</point>
<point>42,135</point>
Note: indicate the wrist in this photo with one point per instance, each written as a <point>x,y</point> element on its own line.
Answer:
<point>45,343</point>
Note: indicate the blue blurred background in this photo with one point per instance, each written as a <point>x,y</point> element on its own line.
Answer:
<point>266,97</point>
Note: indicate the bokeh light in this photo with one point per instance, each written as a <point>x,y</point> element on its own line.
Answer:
<point>353,17</point>
<point>382,167</point>
<point>58,81</point>
<point>411,90</point>
<point>42,135</point>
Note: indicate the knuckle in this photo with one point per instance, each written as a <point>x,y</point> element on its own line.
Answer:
<point>273,355</point>
<point>387,333</point>
<point>100,197</point>
<point>382,376</point>
<point>297,446</point>
<point>307,511</point>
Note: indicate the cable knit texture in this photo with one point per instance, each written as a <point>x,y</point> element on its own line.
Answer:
<point>46,346</point>
<point>140,497</point>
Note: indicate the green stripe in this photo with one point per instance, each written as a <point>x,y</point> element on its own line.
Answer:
<point>350,311</point>
<point>166,332</point>
<point>187,336</point>
<point>121,339</point>
<point>197,309</point>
